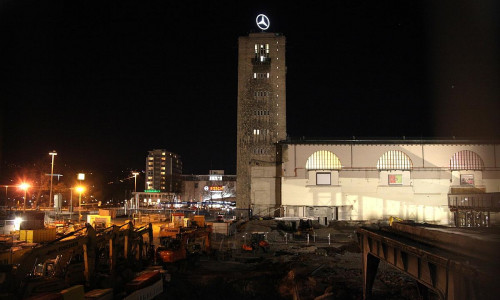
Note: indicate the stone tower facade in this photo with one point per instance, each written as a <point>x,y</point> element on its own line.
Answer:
<point>261,120</point>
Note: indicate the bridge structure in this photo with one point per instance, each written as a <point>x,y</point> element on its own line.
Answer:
<point>446,262</point>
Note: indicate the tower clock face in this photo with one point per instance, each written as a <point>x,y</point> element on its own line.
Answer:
<point>263,22</point>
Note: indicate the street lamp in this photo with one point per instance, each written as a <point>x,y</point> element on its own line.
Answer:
<point>80,189</point>
<point>53,154</point>
<point>135,180</point>
<point>24,186</point>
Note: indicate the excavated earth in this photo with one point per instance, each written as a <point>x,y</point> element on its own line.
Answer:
<point>290,269</point>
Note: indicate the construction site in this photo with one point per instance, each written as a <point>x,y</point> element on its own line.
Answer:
<point>204,255</point>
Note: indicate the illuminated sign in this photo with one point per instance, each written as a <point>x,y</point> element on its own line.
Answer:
<point>263,22</point>
<point>151,191</point>
<point>215,178</point>
<point>395,179</point>
<point>216,188</point>
<point>81,176</point>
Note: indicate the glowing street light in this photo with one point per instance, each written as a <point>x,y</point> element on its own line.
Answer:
<point>53,154</point>
<point>24,186</point>
<point>80,189</point>
<point>17,223</point>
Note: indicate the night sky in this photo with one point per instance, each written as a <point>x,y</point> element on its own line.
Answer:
<point>103,82</point>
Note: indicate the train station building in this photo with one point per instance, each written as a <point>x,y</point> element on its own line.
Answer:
<point>349,179</point>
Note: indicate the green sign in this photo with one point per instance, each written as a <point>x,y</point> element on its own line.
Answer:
<point>151,191</point>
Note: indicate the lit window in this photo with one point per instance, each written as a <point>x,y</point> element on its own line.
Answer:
<point>323,160</point>
<point>394,160</point>
<point>466,160</point>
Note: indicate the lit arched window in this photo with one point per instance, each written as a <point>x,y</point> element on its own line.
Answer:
<point>394,160</point>
<point>323,160</point>
<point>466,160</point>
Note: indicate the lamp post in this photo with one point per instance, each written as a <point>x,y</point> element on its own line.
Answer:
<point>80,190</point>
<point>135,189</point>
<point>53,154</point>
<point>135,180</point>
<point>24,186</point>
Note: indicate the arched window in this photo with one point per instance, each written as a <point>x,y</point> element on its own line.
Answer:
<point>466,160</point>
<point>394,160</point>
<point>323,160</point>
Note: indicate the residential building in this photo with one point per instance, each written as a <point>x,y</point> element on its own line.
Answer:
<point>163,172</point>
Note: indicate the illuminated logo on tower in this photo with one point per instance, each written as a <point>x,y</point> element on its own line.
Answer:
<point>263,22</point>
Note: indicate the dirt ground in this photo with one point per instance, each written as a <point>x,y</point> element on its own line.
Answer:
<point>292,268</point>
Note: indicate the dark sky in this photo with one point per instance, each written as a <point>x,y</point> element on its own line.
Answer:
<point>103,82</point>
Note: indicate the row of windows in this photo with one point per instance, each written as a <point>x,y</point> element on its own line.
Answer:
<point>394,160</point>
<point>262,49</point>
<point>325,178</point>
<point>260,131</point>
<point>151,163</point>
<point>259,151</point>
<point>260,75</point>
<point>261,93</point>
<point>261,113</point>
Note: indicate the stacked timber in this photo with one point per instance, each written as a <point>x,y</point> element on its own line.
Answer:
<point>143,280</point>
<point>146,286</point>
<point>75,292</point>
<point>99,294</point>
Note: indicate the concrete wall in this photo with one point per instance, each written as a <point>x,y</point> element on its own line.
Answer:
<point>263,190</point>
<point>363,193</point>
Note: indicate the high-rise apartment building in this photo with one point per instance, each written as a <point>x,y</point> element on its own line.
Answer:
<point>261,119</point>
<point>163,171</point>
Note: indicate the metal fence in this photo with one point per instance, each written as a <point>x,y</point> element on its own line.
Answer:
<point>279,238</point>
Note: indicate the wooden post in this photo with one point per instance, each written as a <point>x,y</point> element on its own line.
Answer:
<point>111,260</point>
<point>126,247</point>
<point>86,264</point>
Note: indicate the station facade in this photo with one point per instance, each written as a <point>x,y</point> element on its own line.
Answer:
<point>377,179</point>
<point>343,179</point>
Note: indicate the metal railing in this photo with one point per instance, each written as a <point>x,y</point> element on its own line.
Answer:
<point>476,202</point>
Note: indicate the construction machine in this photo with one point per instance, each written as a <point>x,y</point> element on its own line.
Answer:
<point>178,242</point>
<point>257,241</point>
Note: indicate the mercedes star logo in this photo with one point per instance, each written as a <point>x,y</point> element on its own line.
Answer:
<point>263,22</point>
